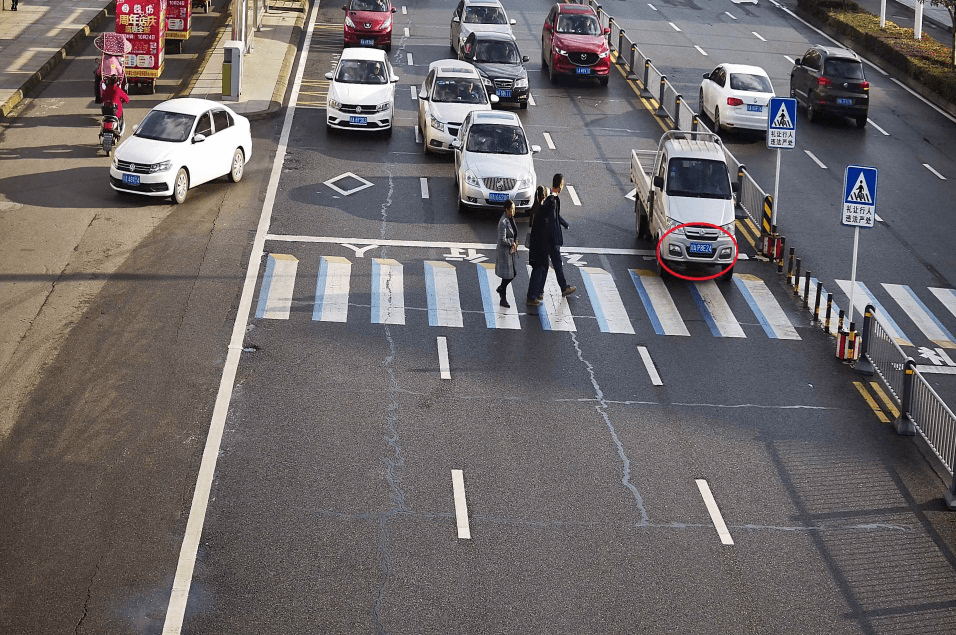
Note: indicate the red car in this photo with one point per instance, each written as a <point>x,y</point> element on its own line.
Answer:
<point>369,23</point>
<point>574,43</point>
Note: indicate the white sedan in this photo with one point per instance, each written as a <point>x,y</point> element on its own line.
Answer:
<point>362,92</point>
<point>493,161</point>
<point>180,144</point>
<point>736,96</point>
<point>450,91</point>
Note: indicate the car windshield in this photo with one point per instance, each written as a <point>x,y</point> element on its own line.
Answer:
<point>497,53</point>
<point>750,83</point>
<point>847,69</point>
<point>459,91</point>
<point>701,178</point>
<point>369,5</point>
<point>166,126</point>
<point>578,24</point>
<point>361,72</point>
<point>493,138</point>
<point>484,15</point>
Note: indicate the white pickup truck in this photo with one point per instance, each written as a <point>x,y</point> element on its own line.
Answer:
<point>684,184</point>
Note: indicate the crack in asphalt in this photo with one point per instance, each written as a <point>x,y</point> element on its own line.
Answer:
<point>89,595</point>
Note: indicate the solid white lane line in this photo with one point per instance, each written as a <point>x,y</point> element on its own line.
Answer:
<point>873,123</point>
<point>531,100</point>
<point>649,365</point>
<point>179,594</point>
<point>714,512</point>
<point>413,90</point>
<point>758,36</point>
<point>700,50</point>
<point>930,168</point>
<point>730,15</point>
<point>653,8</point>
<point>547,139</point>
<point>406,31</point>
<point>461,507</point>
<point>408,56</point>
<point>424,187</point>
<point>574,195</point>
<point>443,366</point>
<point>674,26</point>
<point>815,160</point>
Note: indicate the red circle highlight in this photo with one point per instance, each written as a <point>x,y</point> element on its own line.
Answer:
<point>697,278</point>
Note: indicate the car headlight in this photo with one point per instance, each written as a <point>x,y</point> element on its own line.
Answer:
<point>521,83</point>
<point>671,224</point>
<point>526,182</point>
<point>560,51</point>
<point>115,161</point>
<point>604,54</point>
<point>437,124</point>
<point>383,107</point>
<point>730,227</point>
<point>486,81</point>
<point>333,103</point>
<point>387,24</point>
<point>349,23</point>
<point>471,179</point>
<point>165,166</point>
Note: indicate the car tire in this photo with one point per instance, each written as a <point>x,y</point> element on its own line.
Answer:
<point>726,276</point>
<point>523,105</point>
<point>643,224</point>
<point>717,127</point>
<point>238,165</point>
<point>861,122</point>
<point>660,269</point>
<point>812,114</point>
<point>551,76</point>
<point>700,102</point>
<point>388,131</point>
<point>180,186</point>
<point>544,59</point>
<point>604,80</point>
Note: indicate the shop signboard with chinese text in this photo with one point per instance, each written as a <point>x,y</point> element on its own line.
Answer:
<point>179,17</point>
<point>143,22</point>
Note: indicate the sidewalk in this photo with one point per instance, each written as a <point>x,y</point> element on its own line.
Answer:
<point>41,33</point>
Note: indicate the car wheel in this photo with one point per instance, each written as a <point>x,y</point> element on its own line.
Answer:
<point>544,59</point>
<point>643,224</point>
<point>604,80</point>
<point>660,269</point>
<point>717,128</point>
<point>238,163</point>
<point>812,114</point>
<point>861,121</point>
<point>700,101</point>
<point>388,131</point>
<point>726,276</point>
<point>180,186</point>
<point>523,105</point>
<point>551,76</point>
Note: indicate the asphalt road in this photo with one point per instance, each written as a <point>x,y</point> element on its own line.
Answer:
<point>333,507</point>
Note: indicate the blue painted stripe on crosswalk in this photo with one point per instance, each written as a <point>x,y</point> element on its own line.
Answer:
<point>761,318</point>
<point>320,289</point>
<point>648,305</point>
<point>606,301</point>
<point>264,289</point>
<point>708,318</point>
<point>487,302</point>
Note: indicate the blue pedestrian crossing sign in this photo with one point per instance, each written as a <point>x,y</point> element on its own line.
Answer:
<point>859,196</point>
<point>782,123</point>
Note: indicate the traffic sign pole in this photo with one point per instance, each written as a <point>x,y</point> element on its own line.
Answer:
<point>776,192</point>
<point>858,210</point>
<point>781,135</point>
<point>856,245</point>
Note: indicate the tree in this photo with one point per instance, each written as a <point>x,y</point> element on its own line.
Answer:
<point>951,7</point>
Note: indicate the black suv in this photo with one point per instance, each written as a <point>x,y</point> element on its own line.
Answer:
<point>829,78</point>
<point>500,65</point>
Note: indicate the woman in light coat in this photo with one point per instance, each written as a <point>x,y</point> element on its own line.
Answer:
<point>506,264</point>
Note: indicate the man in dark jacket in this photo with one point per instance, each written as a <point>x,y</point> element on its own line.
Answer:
<point>546,241</point>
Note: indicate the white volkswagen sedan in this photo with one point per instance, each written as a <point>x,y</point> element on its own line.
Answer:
<point>180,144</point>
<point>493,161</point>
<point>362,92</point>
<point>450,91</point>
<point>736,96</point>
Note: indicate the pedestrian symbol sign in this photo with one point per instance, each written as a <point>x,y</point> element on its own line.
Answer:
<point>782,123</point>
<point>859,196</point>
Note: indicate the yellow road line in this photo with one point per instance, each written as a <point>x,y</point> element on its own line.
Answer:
<point>746,234</point>
<point>890,406</point>
<point>870,401</point>
<point>637,91</point>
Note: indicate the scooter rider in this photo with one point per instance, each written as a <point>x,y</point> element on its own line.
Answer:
<point>113,95</point>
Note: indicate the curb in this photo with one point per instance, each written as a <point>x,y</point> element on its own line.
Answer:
<point>51,64</point>
<point>208,44</point>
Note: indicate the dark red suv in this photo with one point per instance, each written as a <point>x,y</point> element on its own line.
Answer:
<point>574,43</point>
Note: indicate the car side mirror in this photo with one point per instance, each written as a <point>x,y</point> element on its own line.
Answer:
<point>798,62</point>
<point>659,182</point>
<point>345,7</point>
<point>328,76</point>
<point>422,95</point>
<point>455,144</point>
<point>706,75</point>
<point>525,58</point>
<point>535,149</point>
<point>456,19</point>
<point>394,9</point>
<point>494,99</point>
<point>513,22</point>
<point>735,187</point>
<point>607,30</point>
<point>395,80</point>
<point>547,27</point>
<point>199,137</point>
<point>136,127</point>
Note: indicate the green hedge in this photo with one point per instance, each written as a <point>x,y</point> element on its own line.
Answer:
<point>926,61</point>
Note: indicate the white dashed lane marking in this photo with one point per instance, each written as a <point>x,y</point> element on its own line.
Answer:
<point>816,160</point>
<point>674,26</point>
<point>649,365</point>
<point>547,139</point>
<point>424,187</point>
<point>884,132</point>
<point>408,56</point>
<point>700,50</point>
<point>574,196</point>
<point>930,168</point>
<point>758,36</point>
<point>730,15</point>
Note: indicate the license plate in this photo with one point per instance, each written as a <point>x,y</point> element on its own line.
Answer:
<point>583,70</point>
<point>754,108</point>
<point>358,121</point>
<point>131,179</point>
<point>844,101</point>
<point>503,93</point>
<point>701,248</point>
<point>367,41</point>
<point>498,197</point>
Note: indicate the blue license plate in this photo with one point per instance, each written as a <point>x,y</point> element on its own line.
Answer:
<point>131,179</point>
<point>844,101</point>
<point>701,248</point>
<point>754,108</point>
<point>358,121</point>
<point>503,93</point>
<point>498,197</point>
<point>367,42</point>
<point>583,70</point>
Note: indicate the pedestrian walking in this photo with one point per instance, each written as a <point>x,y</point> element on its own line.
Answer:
<point>13,5</point>
<point>506,265</point>
<point>546,240</point>
<point>539,195</point>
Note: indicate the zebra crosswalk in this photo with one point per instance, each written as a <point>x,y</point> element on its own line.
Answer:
<point>454,290</point>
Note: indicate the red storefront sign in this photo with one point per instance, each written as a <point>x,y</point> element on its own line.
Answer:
<point>179,17</point>
<point>143,22</point>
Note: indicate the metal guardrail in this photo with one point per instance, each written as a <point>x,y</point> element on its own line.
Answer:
<point>921,408</point>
